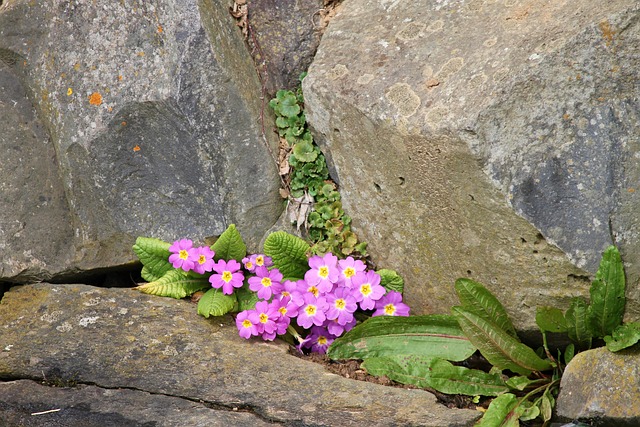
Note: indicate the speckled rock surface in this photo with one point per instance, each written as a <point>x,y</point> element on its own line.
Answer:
<point>475,138</point>
<point>143,114</point>
<point>26,403</point>
<point>119,338</point>
<point>602,387</point>
<point>288,33</point>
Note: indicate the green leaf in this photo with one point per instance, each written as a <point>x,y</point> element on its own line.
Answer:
<point>550,319</point>
<point>285,103</point>
<point>607,294</point>
<point>546,405</point>
<point>497,346</point>
<point>623,336</point>
<point>519,382</point>
<point>405,369</point>
<point>569,352</point>
<point>529,411</point>
<point>154,256</point>
<point>450,379</point>
<point>247,299</point>
<point>215,303</point>
<point>175,284</point>
<point>304,151</point>
<point>390,280</point>
<point>475,298</point>
<point>497,414</point>
<point>229,245</point>
<point>288,253</point>
<point>433,335</point>
<point>577,318</point>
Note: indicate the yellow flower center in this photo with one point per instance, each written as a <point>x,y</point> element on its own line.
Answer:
<point>389,309</point>
<point>285,294</point>
<point>246,323</point>
<point>323,272</point>
<point>310,310</point>
<point>365,289</point>
<point>259,261</point>
<point>183,254</point>
<point>266,282</point>
<point>263,318</point>
<point>348,272</point>
<point>322,340</point>
<point>248,265</point>
<point>340,304</point>
<point>314,291</point>
<point>227,276</point>
<point>202,259</point>
<point>283,310</point>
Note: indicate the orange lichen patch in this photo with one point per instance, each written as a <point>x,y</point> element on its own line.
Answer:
<point>159,28</point>
<point>140,53</point>
<point>136,148</point>
<point>69,92</point>
<point>63,75</point>
<point>578,77</point>
<point>631,190</point>
<point>607,32</point>
<point>120,77</point>
<point>566,116</point>
<point>76,66</point>
<point>95,99</point>
<point>123,124</point>
<point>110,109</point>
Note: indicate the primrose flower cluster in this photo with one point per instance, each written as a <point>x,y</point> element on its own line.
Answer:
<point>324,302</point>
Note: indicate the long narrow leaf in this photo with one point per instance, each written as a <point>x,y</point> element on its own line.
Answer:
<point>607,294</point>
<point>450,379</point>
<point>497,414</point>
<point>428,336</point>
<point>497,346</point>
<point>477,299</point>
<point>405,369</point>
<point>578,323</point>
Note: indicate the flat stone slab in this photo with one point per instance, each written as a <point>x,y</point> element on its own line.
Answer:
<point>29,404</point>
<point>119,338</point>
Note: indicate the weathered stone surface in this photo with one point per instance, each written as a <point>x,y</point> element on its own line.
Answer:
<point>602,387</point>
<point>28,404</point>
<point>288,34</point>
<point>462,128</point>
<point>145,118</point>
<point>119,338</point>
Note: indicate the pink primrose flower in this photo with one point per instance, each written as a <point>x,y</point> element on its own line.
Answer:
<point>181,254</point>
<point>367,289</point>
<point>202,258</point>
<point>391,305</point>
<point>246,322</point>
<point>266,282</point>
<point>227,277</point>
<point>268,314</point>
<point>342,305</point>
<point>323,273</point>
<point>319,340</point>
<point>348,269</point>
<point>312,312</point>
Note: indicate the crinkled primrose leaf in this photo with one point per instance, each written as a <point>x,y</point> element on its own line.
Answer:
<point>215,303</point>
<point>175,284</point>
<point>391,280</point>
<point>288,253</point>
<point>154,256</point>
<point>229,245</point>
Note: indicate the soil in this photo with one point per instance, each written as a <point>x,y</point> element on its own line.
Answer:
<point>351,369</point>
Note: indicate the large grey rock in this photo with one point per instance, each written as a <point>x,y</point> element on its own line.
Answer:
<point>472,137</point>
<point>119,338</point>
<point>140,118</point>
<point>601,387</point>
<point>26,403</point>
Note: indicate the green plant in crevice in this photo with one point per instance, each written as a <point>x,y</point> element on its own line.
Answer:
<point>328,227</point>
<point>524,382</point>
